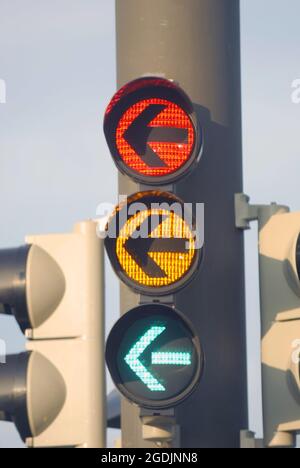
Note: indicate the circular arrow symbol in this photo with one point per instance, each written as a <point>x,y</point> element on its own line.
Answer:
<point>159,257</point>
<point>153,132</point>
<point>157,358</point>
<point>154,356</point>
<point>153,250</point>
<point>140,134</point>
<point>140,249</point>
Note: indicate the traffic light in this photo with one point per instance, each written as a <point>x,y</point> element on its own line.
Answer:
<point>153,352</point>
<point>279,263</point>
<point>154,248</point>
<point>280,303</point>
<point>158,360</point>
<point>55,391</point>
<point>152,131</point>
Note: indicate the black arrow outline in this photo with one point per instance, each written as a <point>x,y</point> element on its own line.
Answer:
<point>139,134</point>
<point>139,247</point>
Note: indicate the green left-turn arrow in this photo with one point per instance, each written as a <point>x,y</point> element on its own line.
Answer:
<point>172,359</point>
<point>133,361</point>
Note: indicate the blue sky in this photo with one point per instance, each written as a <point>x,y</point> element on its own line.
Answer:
<point>58,61</point>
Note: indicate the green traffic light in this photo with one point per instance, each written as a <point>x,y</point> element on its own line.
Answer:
<point>154,356</point>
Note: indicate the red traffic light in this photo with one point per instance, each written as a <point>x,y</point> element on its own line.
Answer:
<point>152,131</point>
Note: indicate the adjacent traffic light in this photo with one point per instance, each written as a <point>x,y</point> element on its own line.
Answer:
<point>153,353</point>
<point>279,232</point>
<point>280,305</point>
<point>32,393</point>
<point>32,285</point>
<point>55,392</point>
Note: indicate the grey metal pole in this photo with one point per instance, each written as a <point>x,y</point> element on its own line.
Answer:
<point>197,43</point>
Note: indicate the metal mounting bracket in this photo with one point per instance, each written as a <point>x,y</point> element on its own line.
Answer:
<point>167,300</point>
<point>245,212</point>
<point>248,441</point>
<point>159,426</point>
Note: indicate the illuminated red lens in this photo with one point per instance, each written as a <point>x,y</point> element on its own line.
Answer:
<point>172,154</point>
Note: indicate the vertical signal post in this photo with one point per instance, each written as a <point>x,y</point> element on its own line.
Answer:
<point>199,47</point>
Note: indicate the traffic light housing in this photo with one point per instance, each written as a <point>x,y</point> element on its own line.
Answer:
<point>32,285</point>
<point>279,261</point>
<point>280,305</point>
<point>32,393</point>
<point>153,353</point>
<point>55,392</point>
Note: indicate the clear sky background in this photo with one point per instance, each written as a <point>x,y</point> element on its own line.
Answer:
<point>58,61</point>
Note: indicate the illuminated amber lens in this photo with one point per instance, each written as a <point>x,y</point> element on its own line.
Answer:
<point>175,155</point>
<point>174,265</point>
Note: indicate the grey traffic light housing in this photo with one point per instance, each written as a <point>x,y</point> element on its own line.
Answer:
<point>154,137</point>
<point>280,317</point>
<point>53,285</point>
<point>23,379</point>
<point>31,285</point>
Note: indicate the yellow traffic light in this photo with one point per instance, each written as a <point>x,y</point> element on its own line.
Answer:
<point>173,235</point>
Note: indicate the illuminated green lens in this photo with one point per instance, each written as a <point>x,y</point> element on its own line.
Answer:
<point>132,359</point>
<point>156,356</point>
<point>172,359</point>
